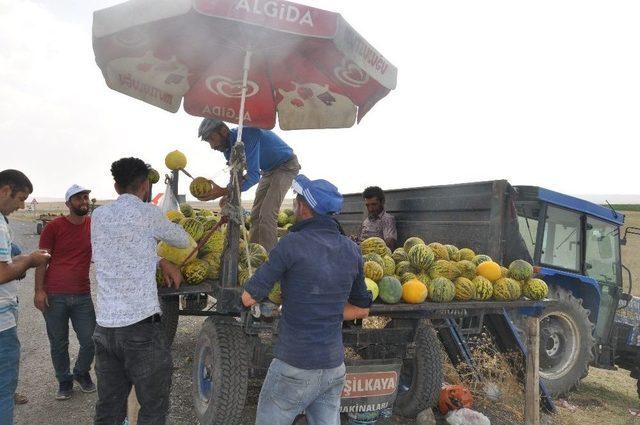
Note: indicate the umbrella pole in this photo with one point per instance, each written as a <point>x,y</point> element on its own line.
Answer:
<point>243,97</point>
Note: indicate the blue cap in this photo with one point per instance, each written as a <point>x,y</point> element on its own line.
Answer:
<point>322,196</point>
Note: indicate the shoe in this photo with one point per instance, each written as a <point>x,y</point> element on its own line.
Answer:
<point>64,390</point>
<point>20,398</point>
<point>85,382</point>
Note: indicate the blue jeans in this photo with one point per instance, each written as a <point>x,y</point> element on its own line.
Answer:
<point>288,391</point>
<point>78,309</point>
<point>9,362</point>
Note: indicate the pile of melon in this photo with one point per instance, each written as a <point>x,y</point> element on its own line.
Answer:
<point>419,272</point>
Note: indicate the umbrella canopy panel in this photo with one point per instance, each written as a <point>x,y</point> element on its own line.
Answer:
<point>307,65</point>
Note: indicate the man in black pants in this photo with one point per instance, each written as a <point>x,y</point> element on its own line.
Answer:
<point>131,348</point>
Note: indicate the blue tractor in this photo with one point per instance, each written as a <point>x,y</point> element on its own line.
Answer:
<point>576,246</point>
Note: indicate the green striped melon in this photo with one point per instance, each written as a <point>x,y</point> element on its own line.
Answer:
<point>409,243</point>
<point>407,277</point>
<point>535,289</point>
<point>373,244</point>
<point>444,268</point>
<point>399,255</point>
<point>257,256</point>
<point>465,289</point>
<point>403,267</point>
<point>484,288</point>
<point>506,289</point>
<point>372,256</point>
<point>389,266</point>
<point>439,250</point>
<point>215,243</point>
<point>186,209</point>
<point>424,278</point>
<point>441,290</point>
<point>421,257</point>
<point>195,271</point>
<point>520,270</point>
<point>466,254</point>
<point>193,227</point>
<point>481,258</point>
<point>372,287</point>
<point>454,252</point>
<point>467,269</point>
<point>373,271</point>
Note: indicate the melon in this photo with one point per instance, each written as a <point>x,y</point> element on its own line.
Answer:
<point>489,269</point>
<point>200,186</point>
<point>193,227</point>
<point>174,216</point>
<point>409,243</point>
<point>372,256</point>
<point>275,295</point>
<point>175,160</point>
<point>154,176</point>
<point>454,252</point>
<point>504,271</point>
<point>373,271</point>
<point>484,288</point>
<point>373,244</point>
<point>399,255</point>
<point>465,289</point>
<point>520,270</point>
<point>506,289</point>
<point>481,258</point>
<point>414,292</point>
<point>407,276</point>
<point>389,266</point>
<point>243,275</point>
<point>195,271</point>
<point>466,254</point>
<point>186,209</point>
<point>282,219</point>
<point>403,267</point>
<point>175,255</point>
<point>257,256</point>
<point>535,289</point>
<point>371,287</point>
<point>423,277</point>
<point>467,269</point>
<point>439,250</point>
<point>421,257</point>
<point>215,243</point>
<point>441,290</point>
<point>390,289</point>
<point>444,268</point>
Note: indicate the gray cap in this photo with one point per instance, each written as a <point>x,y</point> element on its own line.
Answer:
<point>207,126</point>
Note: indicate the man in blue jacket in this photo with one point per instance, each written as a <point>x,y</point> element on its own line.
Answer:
<point>266,154</point>
<point>322,282</point>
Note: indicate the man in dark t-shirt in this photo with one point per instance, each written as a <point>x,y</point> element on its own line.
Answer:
<point>62,291</point>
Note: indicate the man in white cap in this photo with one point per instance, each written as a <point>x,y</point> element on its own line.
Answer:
<point>63,294</point>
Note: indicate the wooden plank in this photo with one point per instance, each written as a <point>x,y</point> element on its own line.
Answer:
<point>532,380</point>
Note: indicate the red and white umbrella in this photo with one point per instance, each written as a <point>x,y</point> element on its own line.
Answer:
<point>242,61</point>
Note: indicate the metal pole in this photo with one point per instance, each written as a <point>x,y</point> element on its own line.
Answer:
<point>532,381</point>
<point>243,97</point>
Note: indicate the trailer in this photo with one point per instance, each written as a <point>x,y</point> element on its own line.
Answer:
<point>235,344</point>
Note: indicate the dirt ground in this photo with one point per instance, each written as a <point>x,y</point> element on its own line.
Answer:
<point>603,397</point>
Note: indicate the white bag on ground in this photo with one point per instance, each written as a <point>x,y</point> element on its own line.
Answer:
<point>467,417</point>
<point>169,201</point>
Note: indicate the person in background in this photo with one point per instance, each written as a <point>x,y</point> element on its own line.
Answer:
<point>62,292</point>
<point>379,222</point>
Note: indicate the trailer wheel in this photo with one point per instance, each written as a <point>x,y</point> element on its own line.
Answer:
<point>566,342</point>
<point>170,308</point>
<point>220,373</point>
<point>421,376</point>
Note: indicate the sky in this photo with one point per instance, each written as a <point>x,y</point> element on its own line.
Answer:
<point>542,93</point>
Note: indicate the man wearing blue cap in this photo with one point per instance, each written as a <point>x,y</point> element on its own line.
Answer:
<point>322,281</point>
<point>267,155</point>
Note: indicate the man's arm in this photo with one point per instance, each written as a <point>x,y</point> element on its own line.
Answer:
<point>47,242</point>
<point>359,299</point>
<point>166,231</point>
<point>252,154</point>
<point>389,231</point>
<point>20,264</point>
<point>260,284</point>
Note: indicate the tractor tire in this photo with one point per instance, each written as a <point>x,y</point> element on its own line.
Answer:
<point>220,373</point>
<point>170,307</point>
<point>421,376</point>
<point>566,342</point>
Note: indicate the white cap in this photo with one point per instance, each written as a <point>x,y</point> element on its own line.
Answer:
<point>74,190</point>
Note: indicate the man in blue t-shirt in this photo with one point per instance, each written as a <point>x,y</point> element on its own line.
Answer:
<point>266,154</point>
<point>322,281</point>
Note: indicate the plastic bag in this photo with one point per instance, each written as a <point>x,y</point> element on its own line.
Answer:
<point>169,201</point>
<point>466,416</point>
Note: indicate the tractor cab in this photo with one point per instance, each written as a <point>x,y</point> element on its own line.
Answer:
<point>576,245</point>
